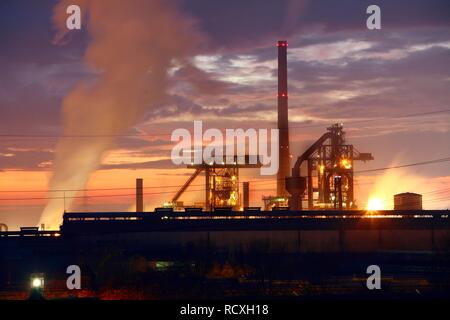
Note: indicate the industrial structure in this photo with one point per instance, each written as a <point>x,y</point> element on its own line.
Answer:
<point>283,122</point>
<point>222,180</point>
<point>329,179</point>
<point>139,195</point>
<point>329,168</point>
<point>284,156</point>
<point>221,183</point>
<point>246,196</point>
<point>226,245</point>
<point>408,201</point>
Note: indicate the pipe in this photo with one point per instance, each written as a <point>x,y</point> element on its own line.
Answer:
<point>246,191</point>
<point>139,195</point>
<point>296,185</point>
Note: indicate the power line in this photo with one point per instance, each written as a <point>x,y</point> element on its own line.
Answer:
<point>105,196</point>
<point>118,188</point>
<point>94,196</point>
<point>405,165</point>
<point>437,191</point>
<point>252,181</point>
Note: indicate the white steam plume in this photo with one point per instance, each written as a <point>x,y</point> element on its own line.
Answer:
<point>132,46</point>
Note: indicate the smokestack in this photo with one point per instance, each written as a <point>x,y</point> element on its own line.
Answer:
<point>246,191</point>
<point>139,195</point>
<point>283,124</point>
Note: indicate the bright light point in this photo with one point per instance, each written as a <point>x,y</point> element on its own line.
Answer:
<point>37,283</point>
<point>375,204</point>
<point>346,163</point>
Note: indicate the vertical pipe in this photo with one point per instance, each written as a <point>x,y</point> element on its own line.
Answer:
<point>207,189</point>
<point>246,191</point>
<point>350,195</point>
<point>335,193</point>
<point>338,192</point>
<point>310,187</point>
<point>283,125</point>
<point>139,195</point>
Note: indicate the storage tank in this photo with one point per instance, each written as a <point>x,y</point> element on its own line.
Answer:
<point>408,201</point>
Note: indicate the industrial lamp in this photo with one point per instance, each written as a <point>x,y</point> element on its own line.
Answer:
<point>37,281</point>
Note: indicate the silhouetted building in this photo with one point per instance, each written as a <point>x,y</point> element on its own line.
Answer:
<point>408,201</point>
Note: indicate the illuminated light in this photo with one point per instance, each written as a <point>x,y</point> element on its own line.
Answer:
<point>37,282</point>
<point>168,204</point>
<point>233,178</point>
<point>346,163</point>
<point>322,169</point>
<point>57,234</point>
<point>375,204</point>
<point>282,44</point>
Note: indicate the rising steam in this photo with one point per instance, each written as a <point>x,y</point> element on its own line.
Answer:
<point>132,46</point>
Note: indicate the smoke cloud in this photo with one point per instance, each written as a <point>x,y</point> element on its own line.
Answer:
<point>133,44</point>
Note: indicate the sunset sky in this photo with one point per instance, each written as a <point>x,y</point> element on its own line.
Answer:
<point>389,87</point>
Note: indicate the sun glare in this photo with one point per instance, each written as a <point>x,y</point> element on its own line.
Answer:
<point>375,204</point>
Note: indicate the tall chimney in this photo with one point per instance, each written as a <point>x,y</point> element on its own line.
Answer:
<point>246,188</point>
<point>139,195</point>
<point>283,124</point>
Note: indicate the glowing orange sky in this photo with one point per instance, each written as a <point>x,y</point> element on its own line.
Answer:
<point>338,72</point>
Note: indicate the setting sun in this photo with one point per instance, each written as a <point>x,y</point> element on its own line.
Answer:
<point>375,204</point>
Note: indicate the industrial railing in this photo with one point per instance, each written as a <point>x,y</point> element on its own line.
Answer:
<point>252,213</point>
<point>27,233</point>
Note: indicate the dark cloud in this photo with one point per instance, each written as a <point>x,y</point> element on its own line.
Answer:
<point>36,74</point>
<point>241,25</point>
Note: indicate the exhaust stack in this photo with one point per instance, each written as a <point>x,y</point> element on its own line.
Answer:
<point>139,195</point>
<point>246,188</point>
<point>283,124</point>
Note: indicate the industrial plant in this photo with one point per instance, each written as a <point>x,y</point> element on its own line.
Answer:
<point>328,183</point>
<point>223,247</point>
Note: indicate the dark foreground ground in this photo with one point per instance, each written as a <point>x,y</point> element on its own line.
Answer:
<point>259,256</point>
<point>193,273</point>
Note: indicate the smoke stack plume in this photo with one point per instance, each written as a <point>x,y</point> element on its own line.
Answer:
<point>139,195</point>
<point>133,45</point>
<point>283,124</point>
